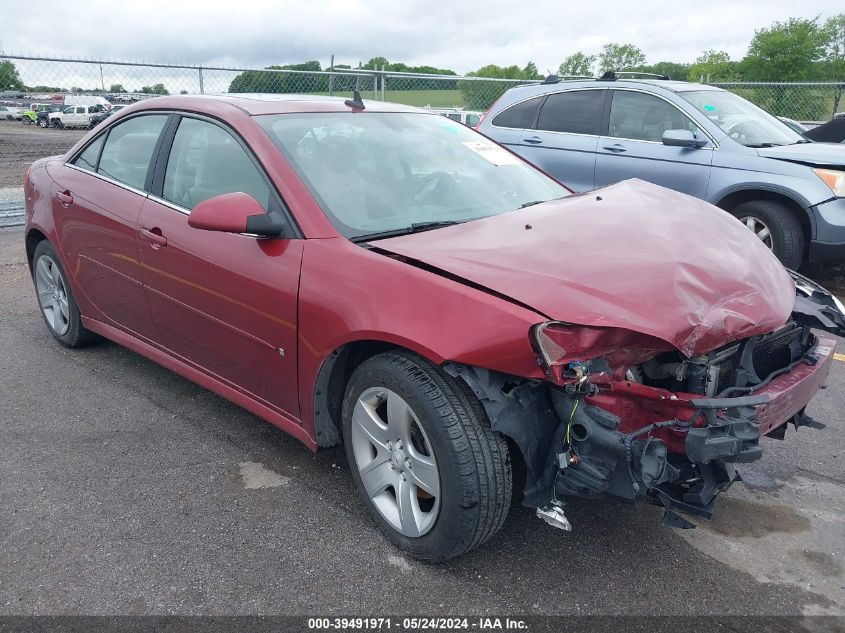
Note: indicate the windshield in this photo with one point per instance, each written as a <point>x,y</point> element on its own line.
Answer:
<point>382,172</point>
<point>743,121</point>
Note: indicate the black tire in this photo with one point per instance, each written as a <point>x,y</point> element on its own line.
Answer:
<point>473,461</point>
<point>788,241</point>
<point>57,123</point>
<point>76,334</point>
<point>44,122</point>
<point>27,120</point>
<point>9,117</point>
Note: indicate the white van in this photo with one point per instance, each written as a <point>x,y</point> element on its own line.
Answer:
<point>87,100</point>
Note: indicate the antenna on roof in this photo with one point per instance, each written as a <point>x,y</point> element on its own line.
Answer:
<point>551,79</point>
<point>355,102</point>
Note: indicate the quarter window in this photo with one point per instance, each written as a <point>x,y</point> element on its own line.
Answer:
<point>129,148</point>
<point>576,112</point>
<point>88,158</point>
<point>518,116</point>
<point>206,161</point>
<point>644,117</point>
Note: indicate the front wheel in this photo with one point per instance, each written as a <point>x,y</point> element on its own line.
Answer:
<point>433,474</point>
<point>776,226</point>
<point>27,121</point>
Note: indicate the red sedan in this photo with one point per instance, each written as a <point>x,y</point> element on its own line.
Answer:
<point>384,277</point>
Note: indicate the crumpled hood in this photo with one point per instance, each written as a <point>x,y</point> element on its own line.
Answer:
<point>821,154</point>
<point>632,255</point>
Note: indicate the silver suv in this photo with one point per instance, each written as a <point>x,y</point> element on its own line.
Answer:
<point>697,139</point>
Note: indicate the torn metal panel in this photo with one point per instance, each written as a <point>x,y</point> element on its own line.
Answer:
<point>695,288</point>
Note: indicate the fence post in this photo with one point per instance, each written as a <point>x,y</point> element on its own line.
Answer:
<point>375,84</point>
<point>331,77</point>
<point>202,88</point>
<point>383,82</point>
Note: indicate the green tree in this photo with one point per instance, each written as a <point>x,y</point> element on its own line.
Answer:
<point>280,82</point>
<point>713,65</point>
<point>786,51</point>
<point>155,89</point>
<point>530,71</point>
<point>615,56</point>
<point>9,77</point>
<point>480,95</point>
<point>578,63</point>
<point>673,70</point>
<point>117,88</point>
<point>835,56</point>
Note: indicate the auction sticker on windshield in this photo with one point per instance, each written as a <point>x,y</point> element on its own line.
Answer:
<point>495,154</point>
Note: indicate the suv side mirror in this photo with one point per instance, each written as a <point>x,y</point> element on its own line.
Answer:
<point>236,212</point>
<point>682,138</point>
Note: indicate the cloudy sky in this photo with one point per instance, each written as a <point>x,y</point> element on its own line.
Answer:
<point>459,35</point>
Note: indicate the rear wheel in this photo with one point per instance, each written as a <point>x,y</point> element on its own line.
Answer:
<point>775,224</point>
<point>27,120</point>
<point>434,476</point>
<point>55,298</point>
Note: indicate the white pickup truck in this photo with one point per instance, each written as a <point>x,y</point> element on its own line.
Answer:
<point>74,116</point>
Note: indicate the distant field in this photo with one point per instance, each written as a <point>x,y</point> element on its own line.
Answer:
<point>434,98</point>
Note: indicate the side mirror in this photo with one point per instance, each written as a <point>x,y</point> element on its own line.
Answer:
<point>236,212</point>
<point>682,138</point>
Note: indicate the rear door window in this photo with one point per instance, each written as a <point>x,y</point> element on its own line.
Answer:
<point>518,116</point>
<point>129,148</point>
<point>575,112</point>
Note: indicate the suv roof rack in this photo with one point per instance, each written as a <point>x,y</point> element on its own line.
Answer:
<point>613,75</point>
<point>553,79</point>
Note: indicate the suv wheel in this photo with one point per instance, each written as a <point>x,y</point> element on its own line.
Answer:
<point>778,228</point>
<point>434,476</point>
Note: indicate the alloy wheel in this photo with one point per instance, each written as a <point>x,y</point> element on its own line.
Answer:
<point>395,460</point>
<point>759,228</point>
<point>52,294</point>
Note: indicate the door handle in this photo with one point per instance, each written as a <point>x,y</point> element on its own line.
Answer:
<point>157,240</point>
<point>616,148</point>
<point>65,197</point>
<point>534,140</point>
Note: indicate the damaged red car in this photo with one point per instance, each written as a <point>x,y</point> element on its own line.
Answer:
<point>381,277</point>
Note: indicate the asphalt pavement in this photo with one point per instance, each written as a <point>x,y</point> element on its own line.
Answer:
<point>125,489</point>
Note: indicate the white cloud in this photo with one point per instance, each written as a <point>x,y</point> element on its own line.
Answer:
<point>458,36</point>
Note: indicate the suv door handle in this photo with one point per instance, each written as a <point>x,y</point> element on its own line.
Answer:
<point>64,197</point>
<point>534,140</point>
<point>616,148</point>
<point>157,240</point>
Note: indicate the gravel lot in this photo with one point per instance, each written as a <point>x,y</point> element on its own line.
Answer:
<point>21,144</point>
<point>125,489</point>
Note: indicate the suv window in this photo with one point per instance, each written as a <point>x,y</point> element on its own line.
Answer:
<point>644,117</point>
<point>575,111</point>
<point>206,161</point>
<point>129,148</point>
<point>88,158</point>
<point>518,116</point>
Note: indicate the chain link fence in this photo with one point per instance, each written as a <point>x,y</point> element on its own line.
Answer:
<point>35,89</point>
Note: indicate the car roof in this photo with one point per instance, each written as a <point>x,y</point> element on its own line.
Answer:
<point>258,104</point>
<point>666,84</point>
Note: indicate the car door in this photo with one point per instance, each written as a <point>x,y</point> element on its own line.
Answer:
<point>633,146</point>
<point>227,303</point>
<point>562,142</point>
<point>97,197</point>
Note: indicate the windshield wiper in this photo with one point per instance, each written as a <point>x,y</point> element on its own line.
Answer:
<point>416,227</point>
<point>759,145</point>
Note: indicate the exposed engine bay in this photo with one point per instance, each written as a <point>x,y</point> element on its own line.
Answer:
<point>655,425</point>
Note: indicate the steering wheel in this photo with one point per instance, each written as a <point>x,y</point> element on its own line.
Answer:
<point>432,183</point>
